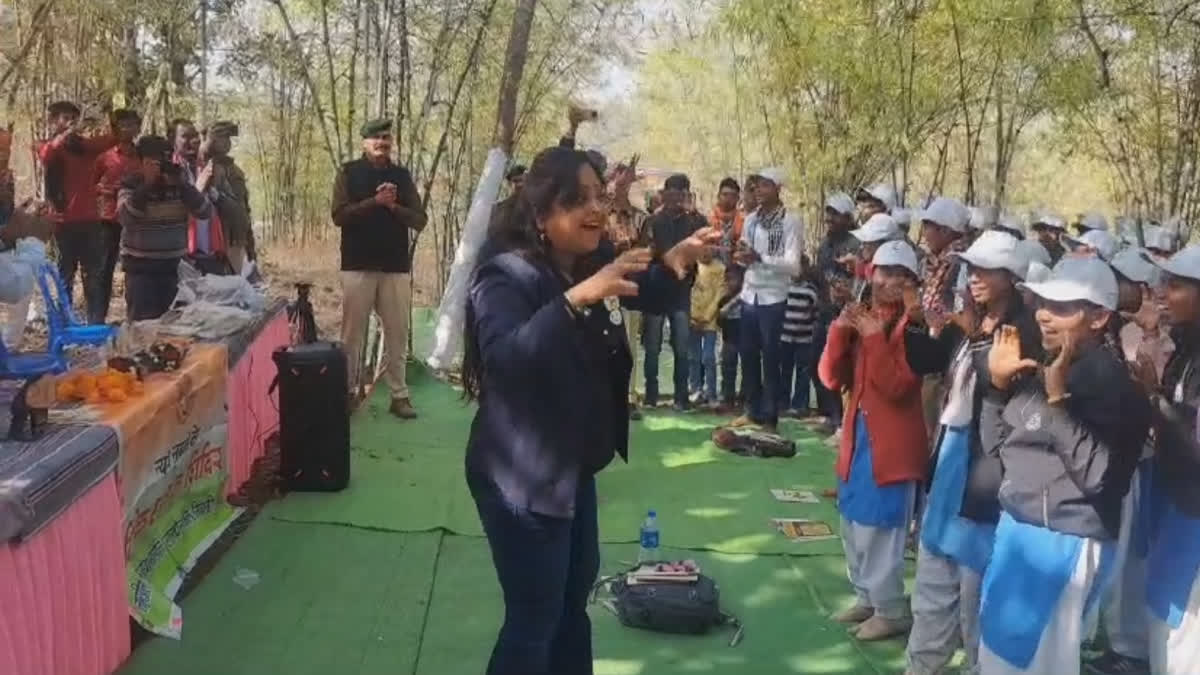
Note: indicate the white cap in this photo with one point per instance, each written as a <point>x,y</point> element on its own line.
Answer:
<point>1073,279</point>
<point>773,174</point>
<point>1013,222</point>
<point>897,253</point>
<point>1104,243</point>
<point>884,193</point>
<point>1037,273</point>
<point>949,213</point>
<point>1094,221</point>
<point>1184,264</point>
<point>841,203</point>
<point>1047,219</point>
<point>983,217</point>
<point>996,250</point>
<point>1134,264</point>
<point>879,227</point>
<point>1033,251</point>
<point>903,218</point>
<point>1158,238</point>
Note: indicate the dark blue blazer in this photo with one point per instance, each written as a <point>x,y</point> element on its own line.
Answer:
<point>548,407</point>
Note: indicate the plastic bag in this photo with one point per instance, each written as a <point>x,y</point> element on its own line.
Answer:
<point>228,291</point>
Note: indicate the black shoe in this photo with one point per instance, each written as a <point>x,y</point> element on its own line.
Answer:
<point>1112,663</point>
<point>635,413</point>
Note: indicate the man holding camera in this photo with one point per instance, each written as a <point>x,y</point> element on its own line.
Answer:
<point>69,161</point>
<point>153,208</point>
<point>375,203</point>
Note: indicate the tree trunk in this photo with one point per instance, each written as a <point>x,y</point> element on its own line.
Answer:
<point>514,69</point>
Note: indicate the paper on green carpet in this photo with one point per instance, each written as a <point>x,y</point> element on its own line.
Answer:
<point>328,600</point>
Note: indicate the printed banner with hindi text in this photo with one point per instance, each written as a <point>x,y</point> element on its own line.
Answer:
<point>172,471</point>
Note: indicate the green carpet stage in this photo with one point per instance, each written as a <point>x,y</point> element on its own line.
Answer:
<point>392,577</point>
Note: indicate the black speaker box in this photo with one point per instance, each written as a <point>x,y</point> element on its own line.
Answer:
<point>314,417</point>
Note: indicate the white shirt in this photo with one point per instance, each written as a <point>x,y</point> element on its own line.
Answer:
<point>767,281</point>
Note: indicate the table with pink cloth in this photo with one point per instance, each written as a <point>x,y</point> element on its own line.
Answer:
<point>63,597</point>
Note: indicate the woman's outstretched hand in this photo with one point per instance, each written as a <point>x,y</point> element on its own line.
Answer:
<point>1004,358</point>
<point>612,280</point>
<point>686,253</point>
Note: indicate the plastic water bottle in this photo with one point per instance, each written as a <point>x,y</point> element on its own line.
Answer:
<point>649,538</point>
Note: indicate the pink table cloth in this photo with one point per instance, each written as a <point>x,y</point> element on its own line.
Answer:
<point>63,604</point>
<point>63,600</point>
<point>253,410</point>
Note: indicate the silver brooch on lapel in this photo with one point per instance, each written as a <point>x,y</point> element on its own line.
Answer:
<point>613,305</point>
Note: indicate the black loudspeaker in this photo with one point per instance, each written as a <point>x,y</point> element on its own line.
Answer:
<point>314,417</point>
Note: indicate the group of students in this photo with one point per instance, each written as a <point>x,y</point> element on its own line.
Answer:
<point>1029,408</point>
<point>1026,405</point>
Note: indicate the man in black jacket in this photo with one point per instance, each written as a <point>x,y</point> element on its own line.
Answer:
<point>375,203</point>
<point>1068,438</point>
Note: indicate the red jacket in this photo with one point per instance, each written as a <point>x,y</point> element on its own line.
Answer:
<point>111,167</point>
<point>78,174</point>
<point>875,370</point>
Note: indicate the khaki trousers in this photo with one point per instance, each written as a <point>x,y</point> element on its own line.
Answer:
<point>633,333</point>
<point>390,296</point>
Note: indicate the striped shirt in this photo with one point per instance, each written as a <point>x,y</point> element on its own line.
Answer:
<point>800,315</point>
<point>154,218</point>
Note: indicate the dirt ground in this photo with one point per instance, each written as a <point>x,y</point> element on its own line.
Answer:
<point>283,266</point>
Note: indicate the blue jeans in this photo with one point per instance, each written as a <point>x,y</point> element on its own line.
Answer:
<point>762,327</point>
<point>546,567</point>
<point>702,362</point>
<point>652,339</point>
<point>729,359</point>
<point>795,360</point>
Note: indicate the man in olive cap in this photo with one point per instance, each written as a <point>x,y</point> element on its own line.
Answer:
<point>375,203</point>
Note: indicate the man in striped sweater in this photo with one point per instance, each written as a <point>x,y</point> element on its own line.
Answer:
<point>153,208</point>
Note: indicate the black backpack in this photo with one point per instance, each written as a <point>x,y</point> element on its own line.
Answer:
<point>688,608</point>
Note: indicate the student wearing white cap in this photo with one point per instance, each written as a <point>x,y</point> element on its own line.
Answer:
<point>835,288</point>
<point>903,218</point>
<point>878,229</point>
<point>944,229</point>
<point>982,218</point>
<point>1124,607</point>
<point>879,198</point>
<point>1068,440</point>
<point>883,451</point>
<point>1095,242</point>
<point>1048,229</point>
<point>1091,221</point>
<point>1159,241</point>
<point>1011,224</point>
<point>1173,561</point>
<point>770,250</point>
<point>961,510</point>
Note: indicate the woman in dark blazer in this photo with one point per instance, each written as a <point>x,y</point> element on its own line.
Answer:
<point>547,359</point>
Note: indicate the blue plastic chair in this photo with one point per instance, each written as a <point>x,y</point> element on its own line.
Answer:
<point>65,329</point>
<point>29,365</point>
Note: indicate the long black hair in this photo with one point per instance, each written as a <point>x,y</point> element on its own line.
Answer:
<point>551,182</point>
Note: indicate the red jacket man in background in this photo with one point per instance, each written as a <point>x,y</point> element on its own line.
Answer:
<point>112,167</point>
<point>69,161</point>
